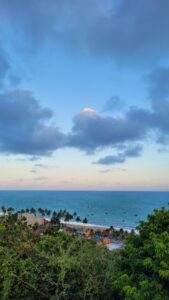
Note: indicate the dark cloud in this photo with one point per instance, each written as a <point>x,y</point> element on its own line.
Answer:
<point>92,131</point>
<point>112,104</point>
<point>133,32</point>
<point>111,160</point>
<point>158,84</point>
<point>132,151</point>
<point>25,126</point>
<point>8,76</point>
<point>158,92</point>
<point>4,67</point>
<point>127,31</point>
<point>34,158</point>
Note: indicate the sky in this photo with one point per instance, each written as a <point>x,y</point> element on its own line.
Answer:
<point>84,95</point>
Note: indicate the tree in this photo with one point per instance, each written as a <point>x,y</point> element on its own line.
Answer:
<point>33,211</point>
<point>60,266</point>
<point>48,212</point>
<point>142,270</point>
<point>3,208</point>
<point>85,220</point>
<point>55,220</point>
<point>78,219</point>
<point>68,217</point>
<point>53,266</point>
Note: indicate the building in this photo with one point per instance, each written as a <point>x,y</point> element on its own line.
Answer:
<point>31,219</point>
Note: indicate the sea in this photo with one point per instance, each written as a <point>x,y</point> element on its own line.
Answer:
<point>120,209</point>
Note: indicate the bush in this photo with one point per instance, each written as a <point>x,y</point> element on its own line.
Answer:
<point>52,266</point>
<point>143,266</point>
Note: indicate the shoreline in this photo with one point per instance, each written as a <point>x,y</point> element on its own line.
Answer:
<point>78,225</point>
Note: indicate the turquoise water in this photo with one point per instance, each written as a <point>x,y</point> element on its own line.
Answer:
<point>122,209</point>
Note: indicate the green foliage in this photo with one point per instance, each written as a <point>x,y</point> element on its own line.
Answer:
<point>143,266</point>
<point>58,266</point>
<point>52,266</point>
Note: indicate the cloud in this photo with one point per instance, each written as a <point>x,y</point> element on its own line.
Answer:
<point>8,76</point>
<point>158,83</point>
<point>37,167</point>
<point>131,151</point>
<point>125,31</point>
<point>41,178</point>
<point>92,131</point>
<point>43,166</point>
<point>113,103</point>
<point>33,171</point>
<point>111,160</point>
<point>133,32</point>
<point>105,171</point>
<point>158,92</point>
<point>4,67</point>
<point>25,126</point>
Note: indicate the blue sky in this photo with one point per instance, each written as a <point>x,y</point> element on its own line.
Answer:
<point>84,100</point>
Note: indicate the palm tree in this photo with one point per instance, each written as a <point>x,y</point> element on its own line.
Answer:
<point>68,217</point>
<point>55,220</point>
<point>78,219</point>
<point>3,209</point>
<point>33,211</point>
<point>46,211</point>
<point>49,212</point>
<point>54,214</point>
<point>60,214</point>
<point>40,210</point>
<point>43,212</point>
<point>10,210</point>
<point>85,220</point>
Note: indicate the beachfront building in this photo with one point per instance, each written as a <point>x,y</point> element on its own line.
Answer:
<point>31,219</point>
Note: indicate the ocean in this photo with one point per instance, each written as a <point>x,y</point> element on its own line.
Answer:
<point>122,209</point>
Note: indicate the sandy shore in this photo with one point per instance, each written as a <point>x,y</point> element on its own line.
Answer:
<point>80,225</point>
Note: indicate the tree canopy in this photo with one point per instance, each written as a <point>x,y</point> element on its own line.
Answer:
<point>59,266</point>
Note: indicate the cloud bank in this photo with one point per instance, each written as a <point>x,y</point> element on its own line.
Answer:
<point>126,31</point>
<point>27,128</point>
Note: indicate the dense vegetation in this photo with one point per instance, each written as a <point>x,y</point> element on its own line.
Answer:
<point>143,265</point>
<point>59,266</point>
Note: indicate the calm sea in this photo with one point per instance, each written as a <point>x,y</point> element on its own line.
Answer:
<point>122,209</point>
